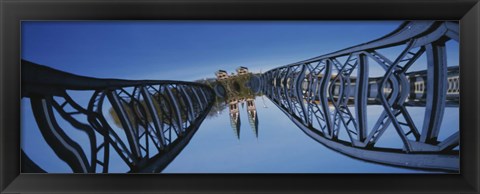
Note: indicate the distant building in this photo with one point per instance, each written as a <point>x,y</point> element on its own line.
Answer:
<point>221,74</point>
<point>242,70</point>
<point>252,115</point>
<point>233,106</point>
<point>235,98</point>
<point>234,117</point>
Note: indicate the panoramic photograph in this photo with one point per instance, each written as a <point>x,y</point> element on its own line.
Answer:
<point>179,96</point>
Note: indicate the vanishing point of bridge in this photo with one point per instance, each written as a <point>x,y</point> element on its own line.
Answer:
<point>325,97</point>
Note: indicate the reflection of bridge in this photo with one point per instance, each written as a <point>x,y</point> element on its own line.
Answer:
<point>329,80</point>
<point>327,97</point>
<point>157,118</point>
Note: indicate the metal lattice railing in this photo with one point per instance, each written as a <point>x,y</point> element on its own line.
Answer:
<point>150,122</point>
<point>329,94</point>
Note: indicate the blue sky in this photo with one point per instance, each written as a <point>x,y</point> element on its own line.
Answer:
<point>156,50</point>
<point>191,50</point>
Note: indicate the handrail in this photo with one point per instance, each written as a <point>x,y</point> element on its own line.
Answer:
<point>405,32</point>
<point>35,75</point>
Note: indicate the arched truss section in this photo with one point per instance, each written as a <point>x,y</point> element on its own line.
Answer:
<point>154,120</point>
<point>329,94</point>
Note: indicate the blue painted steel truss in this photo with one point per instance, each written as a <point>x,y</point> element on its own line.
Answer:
<point>156,118</point>
<point>325,97</point>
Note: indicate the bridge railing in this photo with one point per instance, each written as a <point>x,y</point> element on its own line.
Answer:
<point>317,95</point>
<point>146,123</point>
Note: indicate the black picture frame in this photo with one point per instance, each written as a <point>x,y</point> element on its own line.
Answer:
<point>12,12</point>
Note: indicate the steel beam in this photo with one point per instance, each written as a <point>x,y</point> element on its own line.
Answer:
<point>63,146</point>
<point>324,98</point>
<point>436,91</point>
<point>361,96</point>
<point>155,115</point>
<point>177,112</point>
<point>130,132</point>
